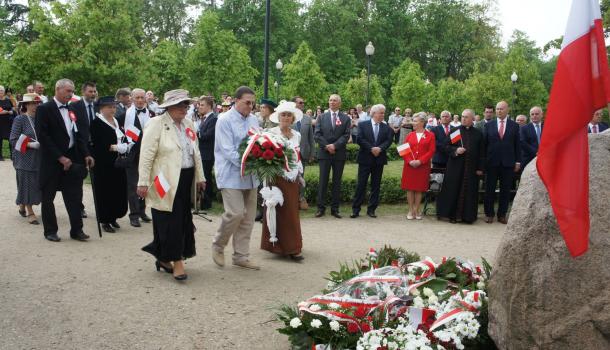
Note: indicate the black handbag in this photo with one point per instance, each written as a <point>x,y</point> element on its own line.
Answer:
<point>123,161</point>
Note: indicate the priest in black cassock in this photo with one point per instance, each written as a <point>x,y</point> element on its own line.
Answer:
<point>458,200</point>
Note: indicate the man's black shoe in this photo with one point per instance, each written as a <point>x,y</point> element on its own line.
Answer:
<point>336,214</point>
<point>354,215</point>
<point>53,238</point>
<point>145,218</point>
<point>108,228</point>
<point>80,236</point>
<point>320,213</point>
<point>134,222</point>
<point>371,214</point>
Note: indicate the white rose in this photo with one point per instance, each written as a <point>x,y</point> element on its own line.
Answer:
<point>315,307</point>
<point>433,299</point>
<point>335,326</point>
<point>428,292</point>
<point>316,323</point>
<point>334,306</point>
<point>295,322</point>
<point>480,285</point>
<point>418,302</point>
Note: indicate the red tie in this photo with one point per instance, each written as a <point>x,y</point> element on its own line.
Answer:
<point>501,131</point>
<point>446,129</point>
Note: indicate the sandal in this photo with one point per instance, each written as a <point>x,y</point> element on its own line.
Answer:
<point>22,212</point>
<point>33,220</point>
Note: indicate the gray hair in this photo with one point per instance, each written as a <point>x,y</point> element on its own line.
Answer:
<point>137,90</point>
<point>61,83</point>
<point>420,116</point>
<point>536,107</point>
<point>469,111</point>
<point>376,108</point>
<point>122,92</point>
<point>335,95</point>
<point>445,112</point>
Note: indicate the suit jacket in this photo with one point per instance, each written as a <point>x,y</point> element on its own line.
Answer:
<point>162,153</point>
<point>325,135</point>
<point>307,139</point>
<point>601,126</point>
<point>481,124</point>
<point>502,152</point>
<point>366,140</point>
<point>207,134</point>
<point>441,138</point>
<point>529,143</point>
<point>119,114</point>
<point>55,140</point>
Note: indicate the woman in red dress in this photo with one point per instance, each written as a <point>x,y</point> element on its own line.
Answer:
<point>416,171</point>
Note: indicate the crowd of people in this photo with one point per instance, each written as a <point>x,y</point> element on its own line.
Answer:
<point>175,155</point>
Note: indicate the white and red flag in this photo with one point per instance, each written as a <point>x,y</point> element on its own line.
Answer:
<point>404,149</point>
<point>418,315</point>
<point>161,185</point>
<point>133,133</point>
<point>580,86</point>
<point>455,136</point>
<point>22,143</point>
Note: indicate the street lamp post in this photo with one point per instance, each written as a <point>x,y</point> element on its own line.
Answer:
<point>278,65</point>
<point>369,50</point>
<point>266,56</point>
<point>277,92</point>
<point>513,78</point>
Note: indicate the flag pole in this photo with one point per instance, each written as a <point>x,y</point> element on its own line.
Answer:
<point>97,218</point>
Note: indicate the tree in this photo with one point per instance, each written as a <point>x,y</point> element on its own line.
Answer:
<point>409,88</point>
<point>167,19</point>
<point>216,62</point>
<point>354,91</point>
<point>165,68</point>
<point>13,25</point>
<point>303,77</point>
<point>448,94</point>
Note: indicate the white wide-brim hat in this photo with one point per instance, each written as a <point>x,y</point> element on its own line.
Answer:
<point>289,107</point>
<point>174,97</point>
<point>31,97</point>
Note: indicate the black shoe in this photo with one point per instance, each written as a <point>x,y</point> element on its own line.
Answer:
<point>52,237</point>
<point>320,213</point>
<point>160,266</point>
<point>83,214</point>
<point>22,213</point>
<point>259,216</point>
<point>134,222</point>
<point>108,228</point>
<point>296,258</point>
<point>115,224</point>
<point>354,215</point>
<point>371,214</point>
<point>145,218</point>
<point>81,236</point>
<point>336,214</point>
<point>182,277</point>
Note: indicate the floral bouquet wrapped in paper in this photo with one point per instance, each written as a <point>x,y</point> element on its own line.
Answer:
<point>265,155</point>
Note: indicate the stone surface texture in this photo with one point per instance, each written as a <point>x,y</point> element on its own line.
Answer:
<point>541,297</point>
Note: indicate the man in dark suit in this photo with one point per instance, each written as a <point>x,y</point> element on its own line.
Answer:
<point>488,114</point>
<point>123,97</point>
<point>332,133</point>
<point>85,110</point>
<point>441,135</point>
<point>305,128</point>
<point>374,138</point>
<point>501,139</point>
<point>63,161</point>
<point>206,133</point>
<point>596,125</point>
<point>530,136</point>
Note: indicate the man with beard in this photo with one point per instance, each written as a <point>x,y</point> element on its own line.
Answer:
<point>458,200</point>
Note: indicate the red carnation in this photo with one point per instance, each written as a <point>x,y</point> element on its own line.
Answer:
<point>268,154</point>
<point>365,327</point>
<point>267,145</point>
<point>360,312</point>
<point>256,152</point>
<point>279,152</point>
<point>352,328</point>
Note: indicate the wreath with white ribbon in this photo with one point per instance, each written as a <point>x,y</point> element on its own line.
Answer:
<point>272,196</point>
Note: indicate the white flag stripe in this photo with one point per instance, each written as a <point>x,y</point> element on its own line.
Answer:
<point>582,16</point>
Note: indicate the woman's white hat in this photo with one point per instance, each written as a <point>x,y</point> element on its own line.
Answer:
<point>31,97</point>
<point>174,97</point>
<point>289,107</point>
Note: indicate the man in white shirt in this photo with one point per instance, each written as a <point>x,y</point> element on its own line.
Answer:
<point>395,122</point>
<point>362,115</point>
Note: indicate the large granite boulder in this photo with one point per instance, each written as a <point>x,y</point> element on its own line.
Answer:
<point>541,297</point>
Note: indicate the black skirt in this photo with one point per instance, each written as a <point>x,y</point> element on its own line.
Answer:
<point>174,231</point>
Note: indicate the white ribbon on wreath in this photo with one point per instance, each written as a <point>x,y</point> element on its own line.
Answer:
<point>272,196</point>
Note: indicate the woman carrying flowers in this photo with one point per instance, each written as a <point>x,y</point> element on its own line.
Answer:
<point>288,226</point>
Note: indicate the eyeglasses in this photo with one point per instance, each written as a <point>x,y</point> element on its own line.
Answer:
<point>301,102</point>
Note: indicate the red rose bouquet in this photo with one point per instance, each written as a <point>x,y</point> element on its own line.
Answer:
<point>265,155</point>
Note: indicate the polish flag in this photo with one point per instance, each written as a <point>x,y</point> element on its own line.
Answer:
<point>418,315</point>
<point>404,149</point>
<point>22,143</point>
<point>161,185</point>
<point>133,133</point>
<point>455,136</point>
<point>580,86</point>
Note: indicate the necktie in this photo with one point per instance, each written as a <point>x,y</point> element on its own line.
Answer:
<point>90,110</point>
<point>63,106</point>
<point>299,126</point>
<point>138,111</point>
<point>446,129</point>
<point>501,130</point>
<point>376,131</point>
<point>537,132</point>
<point>595,129</point>
<point>334,119</point>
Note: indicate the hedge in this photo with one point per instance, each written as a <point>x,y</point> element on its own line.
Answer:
<point>353,149</point>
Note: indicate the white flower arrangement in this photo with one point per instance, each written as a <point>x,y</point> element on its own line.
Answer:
<point>315,323</point>
<point>334,325</point>
<point>295,322</point>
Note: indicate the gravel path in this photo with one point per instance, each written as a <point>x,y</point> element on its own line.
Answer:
<point>106,294</point>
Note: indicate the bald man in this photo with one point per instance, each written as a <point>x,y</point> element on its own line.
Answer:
<point>530,136</point>
<point>503,160</point>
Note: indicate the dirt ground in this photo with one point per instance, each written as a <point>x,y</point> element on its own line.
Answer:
<point>106,294</point>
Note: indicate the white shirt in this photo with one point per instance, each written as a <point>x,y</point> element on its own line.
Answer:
<point>455,124</point>
<point>395,120</point>
<point>67,121</point>
<point>363,116</point>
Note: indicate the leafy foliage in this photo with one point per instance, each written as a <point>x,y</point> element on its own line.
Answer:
<point>354,91</point>
<point>303,77</point>
<point>409,87</point>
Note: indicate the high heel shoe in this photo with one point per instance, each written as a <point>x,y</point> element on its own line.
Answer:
<point>296,258</point>
<point>160,266</point>
<point>182,277</point>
